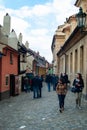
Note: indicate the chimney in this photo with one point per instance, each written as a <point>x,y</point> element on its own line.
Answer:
<point>20,38</point>
<point>27,44</point>
<point>12,40</point>
<point>37,53</point>
<point>7,24</point>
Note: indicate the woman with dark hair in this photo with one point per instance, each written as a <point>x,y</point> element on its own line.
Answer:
<point>61,90</point>
<point>79,85</point>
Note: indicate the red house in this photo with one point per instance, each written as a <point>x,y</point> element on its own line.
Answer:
<point>8,72</point>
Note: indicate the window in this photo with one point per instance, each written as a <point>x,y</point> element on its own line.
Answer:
<point>81,59</point>
<point>66,63</point>
<point>71,62</point>
<point>76,61</point>
<point>11,58</point>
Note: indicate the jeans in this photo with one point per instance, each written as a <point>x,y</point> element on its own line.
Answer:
<point>61,98</point>
<point>35,91</point>
<point>48,84</point>
<point>40,92</point>
<point>54,87</point>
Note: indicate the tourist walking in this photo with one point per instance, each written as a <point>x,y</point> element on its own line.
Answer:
<point>65,77</point>
<point>79,85</point>
<point>54,81</point>
<point>61,90</point>
<point>61,76</point>
<point>40,80</point>
<point>66,80</point>
<point>35,86</point>
<point>48,81</point>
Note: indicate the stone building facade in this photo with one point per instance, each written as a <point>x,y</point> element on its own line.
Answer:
<point>72,55</point>
<point>61,35</point>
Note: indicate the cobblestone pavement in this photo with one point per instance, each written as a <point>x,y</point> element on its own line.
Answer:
<point>25,113</point>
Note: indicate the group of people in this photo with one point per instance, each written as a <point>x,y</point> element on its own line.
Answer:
<point>60,85</point>
<point>37,86</point>
<point>34,84</point>
<point>51,80</point>
<point>61,89</point>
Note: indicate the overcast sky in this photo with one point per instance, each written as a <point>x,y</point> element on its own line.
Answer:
<point>37,20</point>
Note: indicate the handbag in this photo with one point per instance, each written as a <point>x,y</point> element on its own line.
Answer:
<point>74,89</point>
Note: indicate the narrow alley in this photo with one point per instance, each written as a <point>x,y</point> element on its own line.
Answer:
<point>25,113</point>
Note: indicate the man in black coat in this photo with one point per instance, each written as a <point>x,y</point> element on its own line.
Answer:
<point>35,85</point>
<point>40,80</point>
<point>65,77</point>
<point>48,81</point>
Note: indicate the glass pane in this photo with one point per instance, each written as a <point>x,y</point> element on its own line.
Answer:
<point>84,21</point>
<point>80,22</point>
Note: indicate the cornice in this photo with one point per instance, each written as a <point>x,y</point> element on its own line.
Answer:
<point>71,41</point>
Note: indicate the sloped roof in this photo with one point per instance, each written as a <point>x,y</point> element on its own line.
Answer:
<point>22,48</point>
<point>41,65</point>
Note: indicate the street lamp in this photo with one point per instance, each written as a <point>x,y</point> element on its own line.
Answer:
<point>81,19</point>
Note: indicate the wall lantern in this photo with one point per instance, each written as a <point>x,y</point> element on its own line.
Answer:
<point>81,19</point>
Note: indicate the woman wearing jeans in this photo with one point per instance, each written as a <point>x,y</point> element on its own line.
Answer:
<point>79,84</point>
<point>61,90</point>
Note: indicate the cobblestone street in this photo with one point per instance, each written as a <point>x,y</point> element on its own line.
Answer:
<point>25,113</point>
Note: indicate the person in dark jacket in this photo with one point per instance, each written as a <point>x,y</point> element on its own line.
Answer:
<point>54,79</point>
<point>79,84</point>
<point>35,85</point>
<point>48,80</point>
<point>40,80</point>
<point>66,80</point>
<point>61,76</point>
<point>65,77</point>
